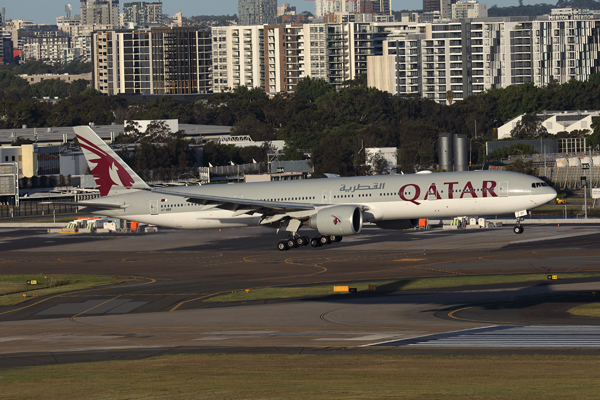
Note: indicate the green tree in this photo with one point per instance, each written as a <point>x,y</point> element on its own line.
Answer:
<point>312,88</point>
<point>522,167</point>
<point>449,97</point>
<point>19,141</point>
<point>377,163</point>
<point>251,126</point>
<point>530,126</point>
<point>594,139</point>
<point>513,150</point>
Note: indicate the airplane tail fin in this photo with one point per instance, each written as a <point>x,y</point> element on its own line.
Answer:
<point>111,174</point>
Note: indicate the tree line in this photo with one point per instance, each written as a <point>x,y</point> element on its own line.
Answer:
<point>336,126</point>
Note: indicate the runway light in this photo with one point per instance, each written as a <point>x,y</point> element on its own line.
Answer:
<point>24,295</point>
<point>553,277</point>
<point>247,290</point>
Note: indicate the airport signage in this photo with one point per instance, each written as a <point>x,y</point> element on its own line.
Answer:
<point>595,193</point>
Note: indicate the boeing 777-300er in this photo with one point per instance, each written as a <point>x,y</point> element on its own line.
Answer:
<point>333,207</point>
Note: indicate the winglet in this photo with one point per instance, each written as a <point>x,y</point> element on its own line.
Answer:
<point>111,174</point>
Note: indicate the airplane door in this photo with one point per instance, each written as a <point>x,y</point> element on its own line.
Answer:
<point>153,207</point>
<point>326,196</point>
<point>503,189</point>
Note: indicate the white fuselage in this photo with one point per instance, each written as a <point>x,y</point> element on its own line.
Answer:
<point>391,197</point>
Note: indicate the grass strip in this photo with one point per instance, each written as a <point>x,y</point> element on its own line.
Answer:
<point>13,287</point>
<point>260,376</point>
<point>387,286</point>
<point>586,310</point>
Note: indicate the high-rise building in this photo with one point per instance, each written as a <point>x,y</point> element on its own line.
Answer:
<point>469,9</point>
<point>382,7</point>
<point>141,12</point>
<point>238,55</point>
<point>51,46</point>
<point>168,60</point>
<point>257,12</point>
<point>100,12</point>
<point>470,57</point>
<point>181,61</point>
<point>444,7</point>
<point>324,7</point>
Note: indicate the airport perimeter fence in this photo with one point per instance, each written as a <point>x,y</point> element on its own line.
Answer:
<point>32,208</point>
<point>570,177</point>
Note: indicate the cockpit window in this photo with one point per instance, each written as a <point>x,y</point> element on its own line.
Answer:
<point>538,184</point>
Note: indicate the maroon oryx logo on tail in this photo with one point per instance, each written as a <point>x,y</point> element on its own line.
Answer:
<point>107,172</point>
<point>336,220</point>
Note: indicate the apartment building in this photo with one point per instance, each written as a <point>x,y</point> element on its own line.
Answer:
<point>430,59</point>
<point>170,60</point>
<point>181,61</point>
<point>238,57</point>
<point>141,12</point>
<point>471,56</point>
<point>286,61</point>
<point>53,47</point>
<point>257,12</point>
<point>100,12</point>
<point>444,7</point>
<point>469,9</point>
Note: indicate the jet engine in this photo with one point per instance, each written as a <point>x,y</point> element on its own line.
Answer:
<point>398,224</point>
<point>337,220</point>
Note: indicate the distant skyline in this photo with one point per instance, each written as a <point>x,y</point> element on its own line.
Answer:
<point>46,11</point>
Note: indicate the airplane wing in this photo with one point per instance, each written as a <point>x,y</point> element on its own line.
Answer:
<point>238,205</point>
<point>106,206</point>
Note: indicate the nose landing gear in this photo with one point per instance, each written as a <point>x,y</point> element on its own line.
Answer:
<point>518,229</point>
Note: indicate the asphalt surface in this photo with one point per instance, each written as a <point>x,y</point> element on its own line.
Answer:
<point>163,310</point>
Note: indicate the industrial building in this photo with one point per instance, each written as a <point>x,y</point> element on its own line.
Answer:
<point>555,122</point>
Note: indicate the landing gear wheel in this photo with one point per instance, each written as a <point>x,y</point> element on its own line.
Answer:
<point>325,240</point>
<point>306,240</point>
<point>315,243</point>
<point>291,243</point>
<point>518,229</point>
<point>299,241</point>
<point>282,246</point>
<point>333,238</point>
<point>338,238</point>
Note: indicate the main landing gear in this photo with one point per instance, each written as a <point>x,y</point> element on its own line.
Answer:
<point>297,241</point>
<point>293,241</point>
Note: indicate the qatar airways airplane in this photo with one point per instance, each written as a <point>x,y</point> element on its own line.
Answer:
<point>333,207</point>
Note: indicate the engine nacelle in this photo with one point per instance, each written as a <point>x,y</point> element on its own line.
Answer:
<point>397,224</point>
<point>337,220</point>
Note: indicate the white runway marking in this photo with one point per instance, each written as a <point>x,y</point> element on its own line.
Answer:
<point>508,336</point>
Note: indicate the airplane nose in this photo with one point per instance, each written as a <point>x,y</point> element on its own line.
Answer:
<point>551,193</point>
